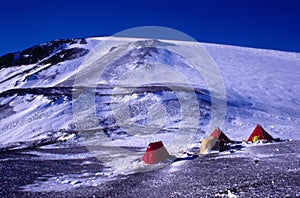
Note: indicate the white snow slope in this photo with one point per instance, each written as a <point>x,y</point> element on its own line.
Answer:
<point>262,86</point>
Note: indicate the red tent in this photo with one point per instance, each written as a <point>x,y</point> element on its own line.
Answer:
<point>217,133</point>
<point>259,134</point>
<point>156,152</point>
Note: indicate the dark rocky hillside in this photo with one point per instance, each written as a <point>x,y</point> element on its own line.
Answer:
<point>37,53</point>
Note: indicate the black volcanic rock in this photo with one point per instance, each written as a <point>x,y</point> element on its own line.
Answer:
<point>275,175</point>
<point>39,52</point>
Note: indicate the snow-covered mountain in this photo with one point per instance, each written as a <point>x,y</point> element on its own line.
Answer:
<point>65,102</point>
<point>37,93</point>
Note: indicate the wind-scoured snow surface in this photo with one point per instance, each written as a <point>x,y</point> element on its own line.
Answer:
<point>36,85</point>
<point>262,86</point>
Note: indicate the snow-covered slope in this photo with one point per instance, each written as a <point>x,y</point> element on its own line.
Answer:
<point>262,86</point>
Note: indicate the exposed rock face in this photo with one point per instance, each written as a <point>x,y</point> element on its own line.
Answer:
<point>37,53</point>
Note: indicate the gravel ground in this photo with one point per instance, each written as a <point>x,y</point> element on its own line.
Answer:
<point>270,170</point>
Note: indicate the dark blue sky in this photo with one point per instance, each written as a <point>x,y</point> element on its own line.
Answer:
<point>257,23</point>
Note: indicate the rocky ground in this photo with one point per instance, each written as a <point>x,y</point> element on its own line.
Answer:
<point>269,170</point>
